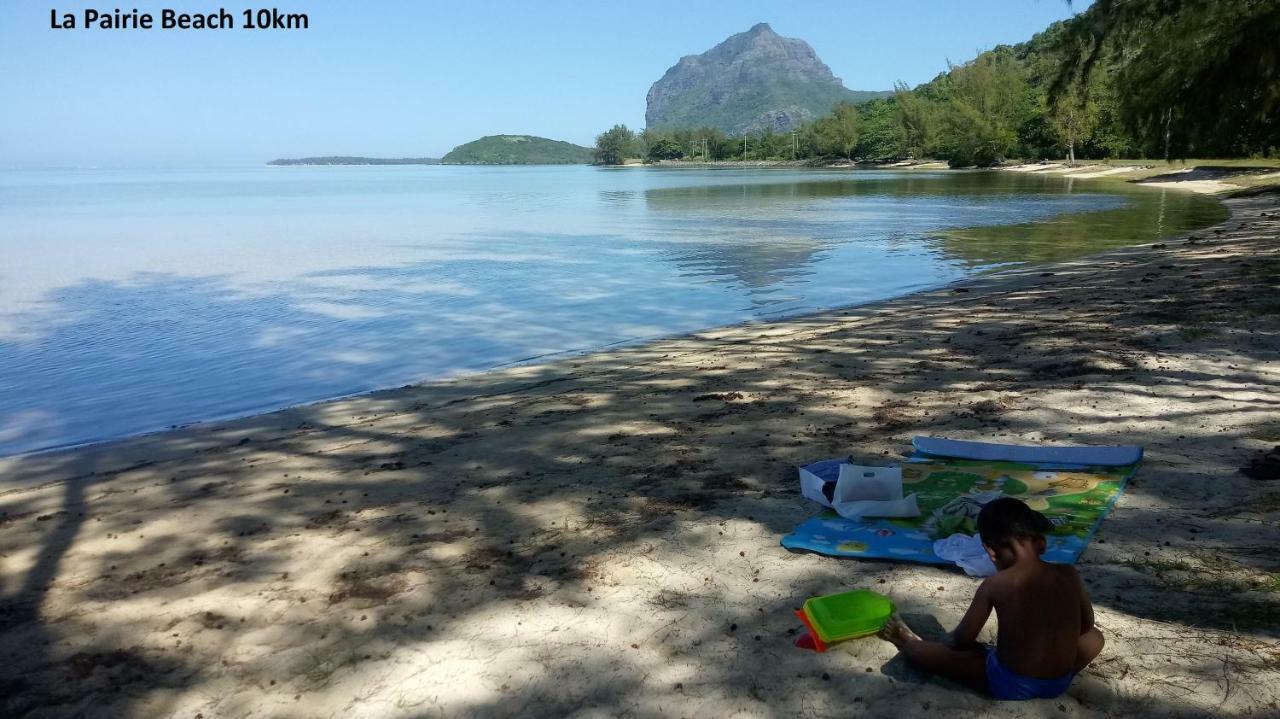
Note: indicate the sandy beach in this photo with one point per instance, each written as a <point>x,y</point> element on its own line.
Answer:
<point>1194,176</point>
<point>598,536</point>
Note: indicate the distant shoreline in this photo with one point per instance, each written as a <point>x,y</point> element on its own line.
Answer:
<point>344,160</point>
<point>378,161</point>
<point>1201,176</point>
<point>1208,177</point>
<point>1211,177</point>
<point>808,163</point>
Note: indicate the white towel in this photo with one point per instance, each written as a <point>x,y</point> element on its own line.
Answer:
<point>967,552</point>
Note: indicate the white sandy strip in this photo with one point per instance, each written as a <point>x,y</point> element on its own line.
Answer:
<point>1031,168</point>
<point>1077,169</point>
<point>1208,187</point>
<point>1106,172</point>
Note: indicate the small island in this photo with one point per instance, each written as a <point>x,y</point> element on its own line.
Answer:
<point>343,160</point>
<point>488,150</point>
<point>518,150</point>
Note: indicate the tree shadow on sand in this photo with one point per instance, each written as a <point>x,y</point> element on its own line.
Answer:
<point>599,535</point>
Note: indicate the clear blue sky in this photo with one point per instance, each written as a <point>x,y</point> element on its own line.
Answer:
<point>407,78</point>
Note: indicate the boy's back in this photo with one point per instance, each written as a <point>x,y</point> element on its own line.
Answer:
<point>1038,607</point>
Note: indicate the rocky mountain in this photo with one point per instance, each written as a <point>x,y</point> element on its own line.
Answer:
<point>754,80</point>
<point>518,150</point>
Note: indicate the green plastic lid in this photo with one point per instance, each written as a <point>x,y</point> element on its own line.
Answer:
<point>847,615</point>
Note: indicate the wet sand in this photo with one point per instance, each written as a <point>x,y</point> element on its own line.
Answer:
<point>599,536</point>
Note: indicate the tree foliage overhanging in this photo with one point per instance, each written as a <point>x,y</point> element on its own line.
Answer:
<point>1125,78</point>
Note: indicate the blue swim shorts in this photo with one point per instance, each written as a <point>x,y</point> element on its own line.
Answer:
<point>1004,683</point>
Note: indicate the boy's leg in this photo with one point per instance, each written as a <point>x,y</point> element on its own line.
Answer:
<point>1088,647</point>
<point>965,667</point>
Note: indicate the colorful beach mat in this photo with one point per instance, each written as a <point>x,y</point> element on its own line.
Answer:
<point>1075,487</point>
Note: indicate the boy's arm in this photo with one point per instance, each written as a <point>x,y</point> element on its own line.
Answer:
<point>966,634</point>
<point>1086,606</point>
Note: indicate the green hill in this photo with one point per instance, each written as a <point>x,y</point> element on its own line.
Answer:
<point>517,150</point>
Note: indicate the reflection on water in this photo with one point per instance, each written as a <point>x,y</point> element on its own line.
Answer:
<point>131,301</point>
<point>1156,214</point>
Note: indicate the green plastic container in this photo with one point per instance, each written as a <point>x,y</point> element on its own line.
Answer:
<point>848,615</point>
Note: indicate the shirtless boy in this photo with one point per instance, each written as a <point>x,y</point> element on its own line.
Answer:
<point>1046,633</point>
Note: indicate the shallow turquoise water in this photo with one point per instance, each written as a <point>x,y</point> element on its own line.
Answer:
<point>131,301</point>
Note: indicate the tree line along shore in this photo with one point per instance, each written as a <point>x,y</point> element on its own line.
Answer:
<point>1143,78</point>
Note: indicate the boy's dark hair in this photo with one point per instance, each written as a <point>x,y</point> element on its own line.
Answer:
<point>1006,518</point>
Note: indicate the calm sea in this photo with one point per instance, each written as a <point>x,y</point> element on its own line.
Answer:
<point>131,301</point>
